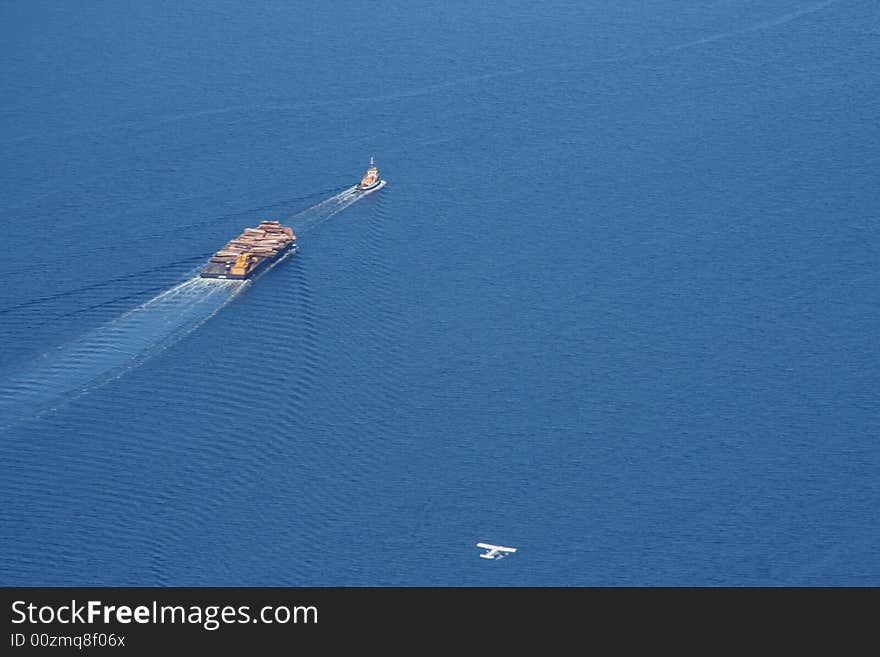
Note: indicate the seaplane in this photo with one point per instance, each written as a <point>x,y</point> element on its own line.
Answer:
<point>495,551</point>
<point>371,180</point>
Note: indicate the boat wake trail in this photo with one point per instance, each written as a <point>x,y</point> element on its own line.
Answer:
<point>113,348</point>
<point>757,27</point>
<point>310,218</point>
<point>110,350</point>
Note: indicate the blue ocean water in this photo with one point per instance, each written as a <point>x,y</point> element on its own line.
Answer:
<point>617,305</point>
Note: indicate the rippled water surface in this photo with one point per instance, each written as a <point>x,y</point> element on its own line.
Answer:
<point>617,305</point>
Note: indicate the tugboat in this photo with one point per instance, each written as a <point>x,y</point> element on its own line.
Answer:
<point>371,180</point>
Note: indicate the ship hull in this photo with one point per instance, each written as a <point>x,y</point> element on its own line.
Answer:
<point>372,188</point>
<point>218,270</point>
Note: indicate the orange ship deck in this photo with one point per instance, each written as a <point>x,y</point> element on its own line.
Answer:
<point>243,256</point>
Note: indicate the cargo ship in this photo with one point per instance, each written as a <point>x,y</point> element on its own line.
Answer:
<point>251,251</point>
<point>371,179</point>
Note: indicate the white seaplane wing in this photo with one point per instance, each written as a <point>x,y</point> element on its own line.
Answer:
<point>494,551</point>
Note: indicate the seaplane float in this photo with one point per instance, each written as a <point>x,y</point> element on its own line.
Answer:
<point>371,180</point>
<point>495,551</point>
